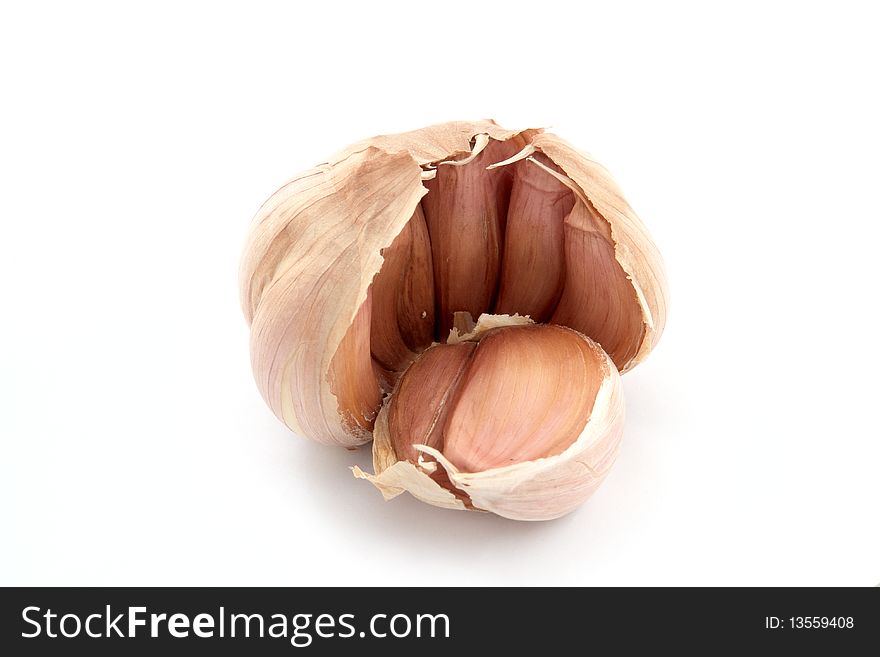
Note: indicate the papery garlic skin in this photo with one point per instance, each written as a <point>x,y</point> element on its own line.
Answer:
<point>305,275</point>
<point>315,249</point>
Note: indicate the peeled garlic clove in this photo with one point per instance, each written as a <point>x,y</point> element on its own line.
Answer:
<point>523,420</point>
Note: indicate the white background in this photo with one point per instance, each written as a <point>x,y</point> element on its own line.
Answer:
<point>136,145</point>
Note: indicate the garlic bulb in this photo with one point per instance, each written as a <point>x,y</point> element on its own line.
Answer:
<point>354,269</point>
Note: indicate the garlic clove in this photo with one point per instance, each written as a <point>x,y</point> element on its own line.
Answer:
<point>531,422</point>
<point>415,306</point>
<point>533,266</point>
<point>385,338</point>
<point>465,211</point>
<point>629,249</point>
<point>598,299</point>
<point>526,394</point>
<point>402,314</point>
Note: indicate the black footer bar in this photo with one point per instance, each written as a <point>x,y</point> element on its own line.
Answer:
<point>334,621</point>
